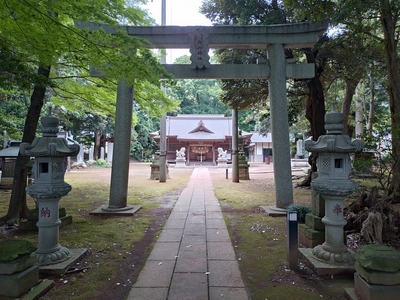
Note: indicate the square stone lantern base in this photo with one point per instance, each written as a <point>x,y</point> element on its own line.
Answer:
<point>129,211</point>
<point>16,284</point>
<point>61,267</point>
<point>323,268</point>
<point>274,211</point>
<point>366,291</point>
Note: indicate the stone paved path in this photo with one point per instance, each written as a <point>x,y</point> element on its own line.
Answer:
<point>193,257</point>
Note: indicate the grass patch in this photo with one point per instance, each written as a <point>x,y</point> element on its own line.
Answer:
<point>260,242</point>
<point>116,247</point>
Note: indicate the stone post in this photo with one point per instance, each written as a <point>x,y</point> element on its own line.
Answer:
<point>163,149</point>
<point>280,127</point>
<point>235,150</point>
<point>91,160</point>
<point>110,151</point>
<point>79,157</point>
<point>299,149</point>
<point>122,142</point>
<point>102,153</point>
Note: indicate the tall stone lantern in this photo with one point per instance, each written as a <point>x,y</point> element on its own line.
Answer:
<point>50,154</point>
<point>333,183</point>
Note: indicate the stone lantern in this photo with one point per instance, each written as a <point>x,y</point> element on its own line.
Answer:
<point>50,154</point>
<point>334,185</point>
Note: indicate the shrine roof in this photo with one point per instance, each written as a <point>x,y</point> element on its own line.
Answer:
<point>199,127</point>
<point>11,151</point>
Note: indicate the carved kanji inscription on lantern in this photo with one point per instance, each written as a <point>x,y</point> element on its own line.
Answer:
<point>45,212</point>
<point>337,209</point>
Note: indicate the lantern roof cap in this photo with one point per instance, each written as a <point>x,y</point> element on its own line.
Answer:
<point>334,122</point>
<point>49,144</point>
<point>334,141</point>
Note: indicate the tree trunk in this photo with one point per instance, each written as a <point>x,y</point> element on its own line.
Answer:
<point>388,20</point>
<point>346,105</point>
<point>371,106</point>
<point>315,113</point>
<point>18,207</point>
<point>360,103</point>
<point>97,142</point>
<point>315,108</point>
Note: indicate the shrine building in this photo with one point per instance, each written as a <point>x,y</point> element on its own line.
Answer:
<point>201,136</point>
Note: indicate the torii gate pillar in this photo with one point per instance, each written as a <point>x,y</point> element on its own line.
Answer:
<point>120,169</point>
<point>280,130</point>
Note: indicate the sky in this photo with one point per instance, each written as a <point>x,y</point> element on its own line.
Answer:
<point>180,13</point>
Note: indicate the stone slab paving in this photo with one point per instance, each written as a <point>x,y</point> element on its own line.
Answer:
<point>193,257</point>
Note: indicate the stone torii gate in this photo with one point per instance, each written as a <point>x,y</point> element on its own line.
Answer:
<point>199,39</point>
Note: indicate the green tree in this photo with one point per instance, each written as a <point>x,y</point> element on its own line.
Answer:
<point>380,21</point>
<point>200,96</point>
<point>385,14</point>
<point>143,145</point>
<point>44,40</point>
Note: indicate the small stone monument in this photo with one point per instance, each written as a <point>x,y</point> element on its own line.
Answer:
<point>312,232</point>
<point>243,166</point>
<point>18,269</point>
<point>80,155</point>
<point>299,149</point>
<point>155,167</point>
<point>50,154</point>
<point>378,273</point>
<point>80,163</point>
<point>180,160</point>
<point>91,156</point>
<point>334,185</point>
<point>110,152</point>
<point>222,159</point>
<point>101,152</point>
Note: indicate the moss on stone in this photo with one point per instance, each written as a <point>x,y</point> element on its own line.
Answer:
<point>379,258</point>
<point>13,249</point>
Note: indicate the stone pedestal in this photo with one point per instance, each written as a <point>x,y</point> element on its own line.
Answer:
<point>16,284</point>
<point>49,250</point>
<point>180,162</point>
<point>222,162</point>
<point>378,274</point>
<point>333,250</point>
<point>365,291</point>
<point>18,272</point>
